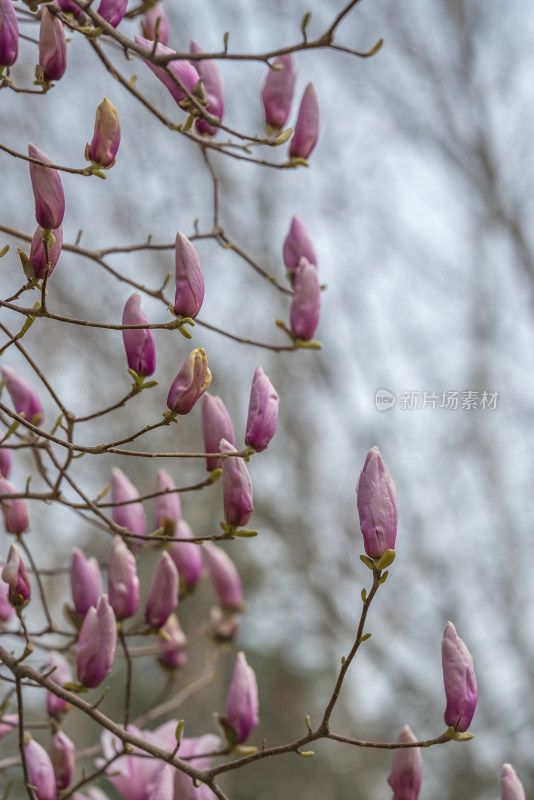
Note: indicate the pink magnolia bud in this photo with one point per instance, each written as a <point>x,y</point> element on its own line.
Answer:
<point>5,460</point>
<point>9,34</point>
<point>8,724</point>
<point>123,583</point>
<point>61,675</point>
<point>38,255</point>
<point>216,425</point>
<point>62,755</point>
<point>188,277</point>
<point>96,644</point>
<point>459,680</point>
<point>16,577</point>
<point>262,412</point>
<point>14,511</point>
<point>190,383</point>
<point>70,8</point>
<point>138,342</point>
<point>23,397</point>
<point>407,769</point>
<point>113,11</point>
<point>106,136</point>
<point>163,595</point>
<point>307,128</point>
<point>52,52</point>
<point>6,609</point>
<point>47,189</point>
<point>167,508</point>
<point>242,699</point>
<point>298,245</point>
<point>187,557</point>
<point>172,643</point>
<point>211,81</point>
<point>237,488</point>
<point>130,516</point>
<point>149,23</point>
<point>376,498</point>
<point>85,581</point>
<point>40,771</point>
<point>163,785</point>
<point>306,302</point>
<point>511,786</point>
<point>224,577</point>
<point>182,70</point>
<point>277,92</point>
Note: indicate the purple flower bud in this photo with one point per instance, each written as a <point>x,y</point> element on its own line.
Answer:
<point>62,755</point>
<point>190,383</point>
<point>167,508</point>
<point>106,136</point>
<point>182,70</point>
<point>47,189</point>
<point>38,255</point>
<point>96,644</point>
<point>123,583</point>
<point>224,577</point>
<point>187,557</point>
<point>459,680</point>
<point>298,245</point>
<point>112,11</point>
<point>8,724</point>
<point>23,397</point>
<point>277,92</point>
<point>52,53</point>
<point>511,786</point>
<point>6,609</point>
<point>61,675</point>
<point>376,498</point>
<point>211,81</point>
<point>163,785</point>
<point>5,460</point>
<point>306,302</point>
<point>262,412</point>
<point>189,279</point>
<point>163,594</point>
<point>172,643</point>
<point>216,425</point>
<point>40,771</point>
<point>138,342</point>
<point>149,24</point>
<point>407,768</point>
<point>242,699</point>
<point>16,577</point>
<point>130,516</point>
<point>14,511</point>
<point>237,488</point>
<point>9,34</point>
<point>307,128</point>
<point>85,581</point>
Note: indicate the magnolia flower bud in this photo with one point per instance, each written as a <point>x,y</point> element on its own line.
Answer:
<point>52,53</point>
<point>262,412</point>
<point>85,581</point>
<point>216,425</point>
<point>188,277</point>
<point>242,699</point>
<point>167,508</point>
<point>459,680</point>
<point>40,771</point>
<point>298,245</point>
<point>149,23</point>
<point>138,342</point>
<point>277,92</point>
<point>190,383</point>
<point>163,595</point>
<point>172,643</point>
<point>237,488</point>
<point>61,675</point>
<point>70,8</point>
<point>130,516</point>
<point>113,11</point>
<point>182,70</point>
<point>96,644</point>
<point>376,498</point>
<point>211,81</point>
<point>16,577</point>
<point>23,397</point>
<point>187,557</point>
<point>6,609</point>
<point>62,755</point>
<point>224,577</point>
<point>407,768</point>
<point>307,127</point>
<point>5,460</point>
<point>511,786</point>
<point>106,136</point>
<point>123,583</point>
<point>8,724</point>
<point>9,34</point>
<point>14,511</point>
<point>38,253</point>
<point>306,302</point>
<point>47,189</point>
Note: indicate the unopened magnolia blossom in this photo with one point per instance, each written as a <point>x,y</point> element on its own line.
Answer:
<point>262,412</point>
<point>14,511</point>
<point>96,644</point>
<point>459,680</point>
<point>407,769</point>
<point>47,190</point>
<point>9,34</point>
<point>106,136</point>
<point>190,383</point>
<point>242,699</point>
<point>216,425</point>
<point>52,49</point>
<point>307,126</point>
<point>376,497</point>
<point>277,92</point>
<point>23,397</point>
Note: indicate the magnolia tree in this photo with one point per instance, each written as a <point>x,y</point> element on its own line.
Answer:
<point>69,662</point>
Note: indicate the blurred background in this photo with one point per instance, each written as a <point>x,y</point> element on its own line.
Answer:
<point>418,201</point>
